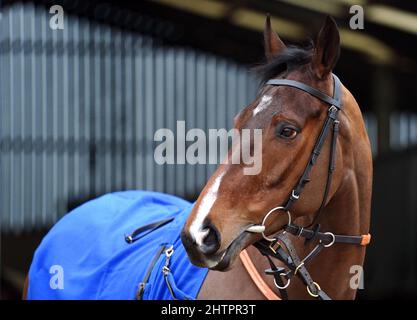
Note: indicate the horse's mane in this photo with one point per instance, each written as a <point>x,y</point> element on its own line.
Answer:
<point>289,59</point>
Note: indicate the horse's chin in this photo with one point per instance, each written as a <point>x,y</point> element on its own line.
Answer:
<point>229,255</point>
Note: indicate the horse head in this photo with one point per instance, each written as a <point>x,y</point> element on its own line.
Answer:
<point>233,202</point>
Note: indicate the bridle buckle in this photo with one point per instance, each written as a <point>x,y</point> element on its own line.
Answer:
<point>285,286</point>
<point>318,289</point>
<point>274,250</point>
<point>294,195</point>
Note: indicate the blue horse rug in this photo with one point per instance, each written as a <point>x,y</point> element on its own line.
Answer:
<point>94,253</point>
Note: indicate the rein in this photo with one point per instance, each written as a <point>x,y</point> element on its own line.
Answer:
<point>280,247</point>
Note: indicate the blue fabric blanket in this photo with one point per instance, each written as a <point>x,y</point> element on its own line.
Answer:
<point>85,255</point>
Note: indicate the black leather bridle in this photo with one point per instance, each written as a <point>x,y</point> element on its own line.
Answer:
<point>275,247</point>
<point>335,104</point>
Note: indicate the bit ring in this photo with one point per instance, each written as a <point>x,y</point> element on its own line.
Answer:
<point>266,217</point>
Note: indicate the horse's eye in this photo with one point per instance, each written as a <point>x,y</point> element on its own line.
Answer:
<point>288,133</point>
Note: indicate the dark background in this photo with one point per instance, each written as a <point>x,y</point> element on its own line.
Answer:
<point>377,64</point>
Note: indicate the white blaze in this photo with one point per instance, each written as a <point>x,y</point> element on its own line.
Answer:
<point>204,208</point>
<point>263,104</point>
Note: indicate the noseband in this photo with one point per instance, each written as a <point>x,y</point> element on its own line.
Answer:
<point>280,246</point>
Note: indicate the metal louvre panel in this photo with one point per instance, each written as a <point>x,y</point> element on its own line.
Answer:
<point>80,107</point>
<point>5,120</point>
<point>170,113</point>
<point>191,114</point>
<point>160,104</point>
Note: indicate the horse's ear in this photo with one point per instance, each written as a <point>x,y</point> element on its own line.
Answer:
<point>326,52</point>
<point>273,44</point>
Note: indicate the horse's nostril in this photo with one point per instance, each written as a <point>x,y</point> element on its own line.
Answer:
<point>211,242</point>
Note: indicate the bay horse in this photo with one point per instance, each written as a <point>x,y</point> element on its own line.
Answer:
<point>304,218</point>
<point>295,119</point>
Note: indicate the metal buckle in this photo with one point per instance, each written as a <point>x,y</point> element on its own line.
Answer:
<point>274,250</point>
<point>332,109</point>
<point>332,242</point>
<point>294,195</point>
<point>129,238</point>
<point>318,289</point>
<point>140,291</point>
<point>169,251</point>
<point>286,285</point>
<point>168,254</point>
<point>165,270</point>
<point>298,267</point>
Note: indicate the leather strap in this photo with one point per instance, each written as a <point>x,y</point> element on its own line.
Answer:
<point>300,269</point>
<point>317,249</point>
<point>142,285</point>
<point>296,266</point>
<point>135,235</point>
<point>256,277</point>
<point>332,160</point>
<point>277,273</point>
<point>305,177</point>
<point>327,237</point>
<point>335,100</point>
<point>335,103</point>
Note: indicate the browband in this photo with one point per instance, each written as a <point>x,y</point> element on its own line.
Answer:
<point>334,101</point>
